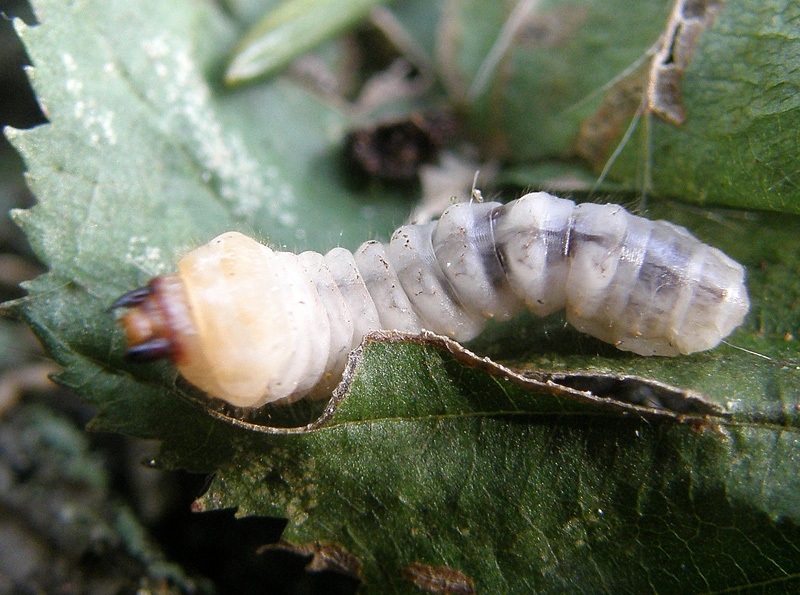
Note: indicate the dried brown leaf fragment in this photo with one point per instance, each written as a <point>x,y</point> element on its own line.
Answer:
<point>324,556</point>
<point>438,579</point>
<point>689,19</point>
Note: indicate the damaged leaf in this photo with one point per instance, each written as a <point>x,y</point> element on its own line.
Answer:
<point>689,19</point>
<point>601,393</point>
<point>594,80</point>
<point>454,467</point>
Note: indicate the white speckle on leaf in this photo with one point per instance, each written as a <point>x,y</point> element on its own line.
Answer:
<point>145,257</point>
<point>106,122</point>
<point>733,405</point>
<point>69,62</point>
<point>156,47</point>
<point>184,101</point>
<point>74,86</point>
<point>99,123</point>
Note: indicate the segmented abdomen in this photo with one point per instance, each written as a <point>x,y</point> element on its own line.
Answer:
<point>645,286</point>
<point>250,325</point>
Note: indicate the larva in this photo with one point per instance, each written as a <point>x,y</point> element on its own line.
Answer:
<point>251,325</point>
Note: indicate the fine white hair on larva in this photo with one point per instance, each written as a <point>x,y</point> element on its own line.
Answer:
<point>251,325</point>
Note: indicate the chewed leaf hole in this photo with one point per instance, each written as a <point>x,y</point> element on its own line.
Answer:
<point>542,392</point>
<point>638,391</point>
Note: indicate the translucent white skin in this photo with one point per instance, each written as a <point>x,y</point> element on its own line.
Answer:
<point>276,326</point>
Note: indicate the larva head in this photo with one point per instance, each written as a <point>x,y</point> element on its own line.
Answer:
<point>153,325</point>
<point>221,319</point>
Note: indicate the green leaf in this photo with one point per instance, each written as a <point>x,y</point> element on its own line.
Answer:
<point>188,163</point>
<point>740,97</point>
<point>552,74</point>
<point>427,457</point>
<point>570,84</point>
<point>519,501</point>
<point>291,29</point>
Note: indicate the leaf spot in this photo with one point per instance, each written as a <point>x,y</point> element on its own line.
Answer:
<point>438,579</point>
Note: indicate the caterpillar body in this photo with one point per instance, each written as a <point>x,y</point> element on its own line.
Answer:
<point>251,325</point>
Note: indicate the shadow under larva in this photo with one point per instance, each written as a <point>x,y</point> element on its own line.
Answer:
<point>250,325</point>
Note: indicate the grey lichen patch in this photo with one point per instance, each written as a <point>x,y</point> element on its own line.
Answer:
<point>438,579</point>
<point>689,19</point>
